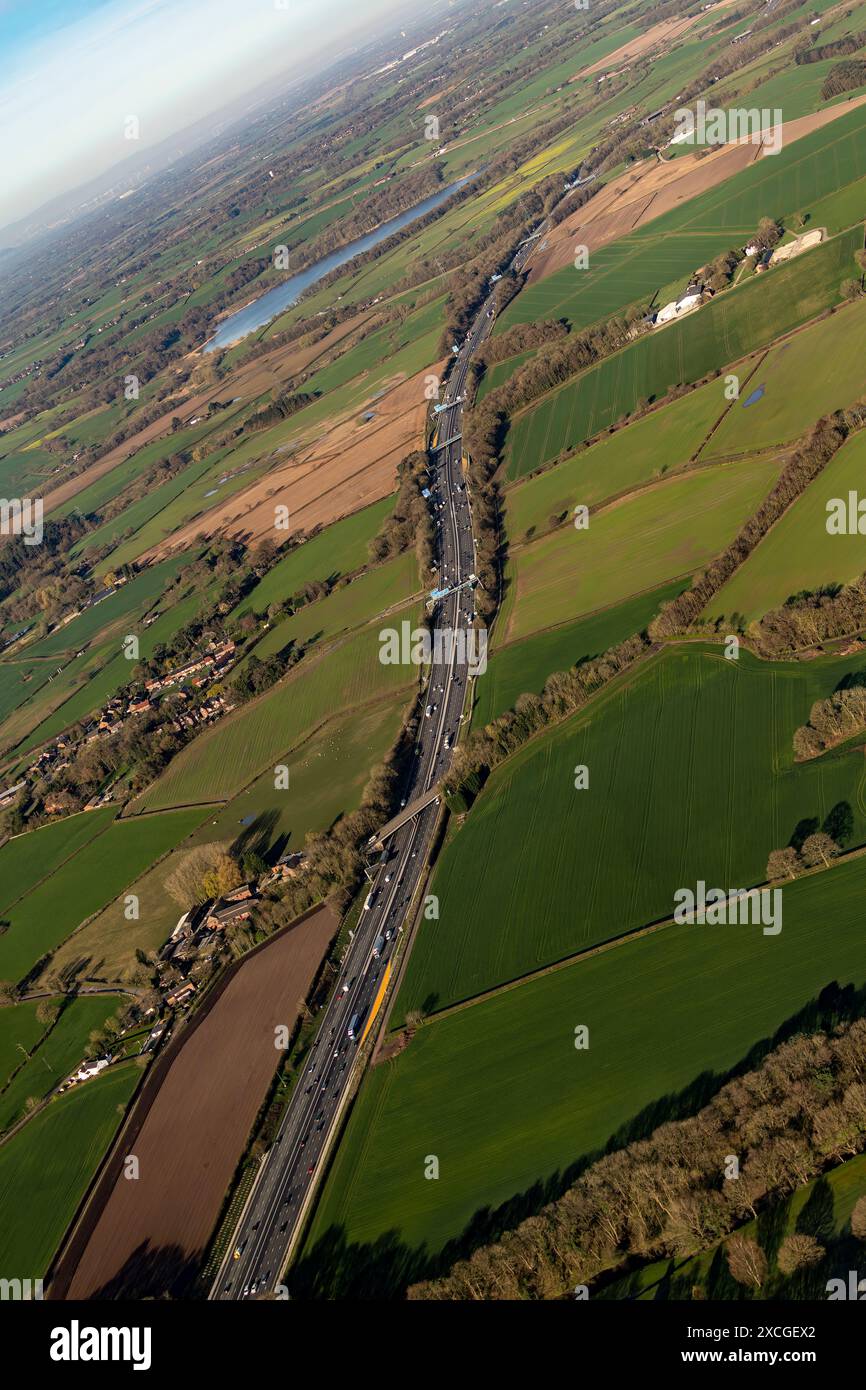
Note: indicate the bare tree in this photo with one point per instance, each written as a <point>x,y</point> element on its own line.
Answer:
<point>746,1261</point>
<point>799,1252</point>
<point>858,1219</point>
<point>783,863</point>
<point>819,849</point>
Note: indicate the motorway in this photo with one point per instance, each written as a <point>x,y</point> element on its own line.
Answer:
<point>277,1206</point>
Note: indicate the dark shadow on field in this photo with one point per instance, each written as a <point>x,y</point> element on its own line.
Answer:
<point>256,837</point>
<point>852,680</point>
<point>334,1269</point>
<point>816,1218</point>
<point>161,1272</point>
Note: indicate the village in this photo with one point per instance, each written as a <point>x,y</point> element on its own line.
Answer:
<point>186,714</point>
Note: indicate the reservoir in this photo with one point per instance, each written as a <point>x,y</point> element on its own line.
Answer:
<point>260,311</point>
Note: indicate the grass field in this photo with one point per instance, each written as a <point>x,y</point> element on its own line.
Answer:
<point>111,669</point>
<point>675,753</point>
<point>339,549</point>
<point>632,545</point>
<point>27,859</point>
<point>525,666</point>
<point>220,763</point>
<point>84,885</point>
<point>660,442</point>
<point>500,1095</point>
<point>733,325</point>
<point>817,371</point>
<point>19,1028</point>
<point>327,776</point>
<point>134,598</point>
<point>356,602</point>
<point>798,553</point>
<point>56,1057</point>
<point>673,246</point>
<point>45,1169</point>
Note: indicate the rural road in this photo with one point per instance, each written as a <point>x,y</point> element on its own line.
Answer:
<point>278,1203</point>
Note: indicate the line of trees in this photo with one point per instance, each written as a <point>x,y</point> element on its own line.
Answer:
<point>831,721</point>
<point>808,619</point>
<point>410,522</point>
<point>807,52</point>
<point>844,78</point>
<point>282,408</point>
<point>683,614</point>
<point>670,1195</point>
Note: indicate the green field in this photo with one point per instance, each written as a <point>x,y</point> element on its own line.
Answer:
<point>654,445</point>
<point>19,1029</point>
<point>672,247</point>
<point>525,666</point>
<point>733,325</point>
<point>112,670</point>
<point>676,752</point>
<point>84,885</point>
<point>45,1169</point>
<point>56,1057</point>
<point>218,764</point>
<point>133,598</point>
<point>666,531</point>
<point>501,1096</point>
<point>27,859</point>
<point>798,553</point>
<point>356,602</point>
<point>327,776</point>
<point>339,549</point>
<point>819,370</point>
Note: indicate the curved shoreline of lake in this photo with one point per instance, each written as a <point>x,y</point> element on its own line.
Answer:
<point>274,302</point>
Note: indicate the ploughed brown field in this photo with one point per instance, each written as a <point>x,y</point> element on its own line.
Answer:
<point>352,463</point>
<point>151,1232</point>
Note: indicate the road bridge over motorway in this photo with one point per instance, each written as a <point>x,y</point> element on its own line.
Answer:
<point>420,803</point>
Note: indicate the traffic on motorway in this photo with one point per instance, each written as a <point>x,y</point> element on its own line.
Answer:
<point>287,1179</point>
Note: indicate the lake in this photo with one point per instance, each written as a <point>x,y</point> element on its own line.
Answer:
<point>269,305</point>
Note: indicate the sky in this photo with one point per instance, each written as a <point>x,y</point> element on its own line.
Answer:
<point>73,74</point>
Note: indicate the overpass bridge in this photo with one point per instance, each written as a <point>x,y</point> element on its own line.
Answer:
<point>420,803</point>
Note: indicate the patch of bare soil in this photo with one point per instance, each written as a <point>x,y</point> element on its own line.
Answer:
<point>353,463</point>
<point>151,1232</point>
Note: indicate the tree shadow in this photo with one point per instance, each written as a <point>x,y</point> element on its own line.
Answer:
<point>256,837</point>
<point>158,1272</point>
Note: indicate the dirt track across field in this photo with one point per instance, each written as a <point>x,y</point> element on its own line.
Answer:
<point>189,1128</point>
